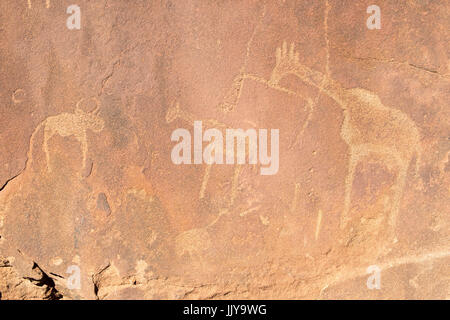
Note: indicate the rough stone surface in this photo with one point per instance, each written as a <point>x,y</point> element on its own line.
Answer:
<point>86,176</point>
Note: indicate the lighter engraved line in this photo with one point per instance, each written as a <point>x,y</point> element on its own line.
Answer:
<point>295,199</point>
<point>47,4</point>
<point>235,183</point>
<point>244,213</point>
<point>346,275</point>
<point>234,93</point>
<point>273,85</point>
<point>205,180</point>
<point>318,224</point>
<point>327,40</point>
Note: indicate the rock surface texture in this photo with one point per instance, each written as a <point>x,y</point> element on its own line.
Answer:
<point>88,186</point>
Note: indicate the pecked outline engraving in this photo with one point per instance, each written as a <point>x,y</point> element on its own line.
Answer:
<point>369,127</point>
<point>67,124</point>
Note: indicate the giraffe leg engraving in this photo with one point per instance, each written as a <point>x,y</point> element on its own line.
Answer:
<point>352,164</point>
<point>48,133</point>
<point>400,185</point>
<point>68,124</point>
<point>365,117</point>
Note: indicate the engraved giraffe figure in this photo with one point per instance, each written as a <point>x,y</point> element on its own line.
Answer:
<point>369,127</point>
<point>67,124</point>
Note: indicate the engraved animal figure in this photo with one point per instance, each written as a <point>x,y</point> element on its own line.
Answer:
<point>67,124</point>
<point>369,127</point>
<point>175,112</point>
<point>193,243</point>
<point>231,100</point>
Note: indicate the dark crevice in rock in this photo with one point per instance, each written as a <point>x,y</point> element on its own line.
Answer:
<point>47,281</point>
<point>9,180</point>
<point>15,176</point>
<point>393,61</point>
<point>4,263</point>
<point>95,288</point>
<point>96,280</point>
<point>56,275</point>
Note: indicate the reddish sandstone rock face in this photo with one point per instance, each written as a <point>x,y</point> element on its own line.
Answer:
<point>87,178</point>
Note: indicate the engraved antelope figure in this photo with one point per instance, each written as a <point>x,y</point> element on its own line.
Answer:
<point>369,127</point>
<point>175,112</point>
<point>195,242</point>
<point>67,124</point>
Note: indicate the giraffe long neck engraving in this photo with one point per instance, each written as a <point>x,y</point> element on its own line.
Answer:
<point>287,62</point>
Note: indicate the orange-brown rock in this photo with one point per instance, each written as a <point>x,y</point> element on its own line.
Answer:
<point>87,179</point>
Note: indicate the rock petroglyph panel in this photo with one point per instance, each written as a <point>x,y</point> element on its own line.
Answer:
<point>87,181</point>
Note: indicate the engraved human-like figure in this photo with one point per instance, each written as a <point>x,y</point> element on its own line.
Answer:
<point>369,127</point>
<point>67,124</point>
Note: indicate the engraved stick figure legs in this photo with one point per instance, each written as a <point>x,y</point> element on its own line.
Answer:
<point>68,124</point>
<point>48,133</point>
<point>369,127</point>
<point>400,185</point>
<point>206,177</point>
<point>353,162</point>
<point>174,113</point>
<point>205,180</point>
<point>84,148</point>
<point>235,183</point>
<point>356,155</point>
